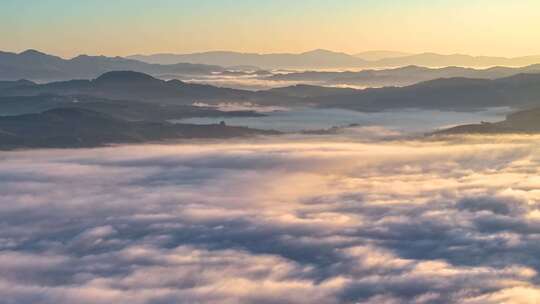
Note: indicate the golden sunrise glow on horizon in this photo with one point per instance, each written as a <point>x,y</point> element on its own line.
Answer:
<point>476,27</point>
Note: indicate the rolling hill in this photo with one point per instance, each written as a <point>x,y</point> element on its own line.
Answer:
<point>526,121</point>
<point>74,127</point>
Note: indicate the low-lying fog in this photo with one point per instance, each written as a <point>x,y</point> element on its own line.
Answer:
<point>246,83</point>
<point>287,219</point>
<point>252,82</point>
<point>299,119</point>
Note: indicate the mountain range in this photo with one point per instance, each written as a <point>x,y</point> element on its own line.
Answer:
<point>40,67</point>
<point>440,60</point>
<point>37,66</point>
<point>400,76</point>
<point>116,107</point>
<point>462,94</point>
<point>457,93</point>
<point>380,54</point>
<point>129,85</point>
<point>312,59</point>
<point>127,106</point>
<point>324,59</point>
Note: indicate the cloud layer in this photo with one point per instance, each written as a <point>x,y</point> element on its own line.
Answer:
<point>294,221</point>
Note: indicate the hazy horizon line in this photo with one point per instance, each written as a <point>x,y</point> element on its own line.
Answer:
<point>405,53</point>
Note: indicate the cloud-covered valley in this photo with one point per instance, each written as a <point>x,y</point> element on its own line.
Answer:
<point>291,220</point>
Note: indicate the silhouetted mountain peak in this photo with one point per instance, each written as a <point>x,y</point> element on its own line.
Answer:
<point>84,57</point>
<point>17,83</point>
<point>303,86</point>
<point>124,77</point>
<point>24,82</point>
<point>319,52</point>
<point>175,82</point>
<point>32,52</point>
<point>411,67</point>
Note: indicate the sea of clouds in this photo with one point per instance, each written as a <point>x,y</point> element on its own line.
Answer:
<point>286,220</point>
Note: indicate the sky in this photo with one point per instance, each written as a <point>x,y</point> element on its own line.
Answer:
<point>125,27</point>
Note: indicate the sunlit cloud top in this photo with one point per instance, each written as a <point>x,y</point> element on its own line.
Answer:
<point>123,27</point>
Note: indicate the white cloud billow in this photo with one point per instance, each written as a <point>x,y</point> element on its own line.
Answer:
<point>303,221</point>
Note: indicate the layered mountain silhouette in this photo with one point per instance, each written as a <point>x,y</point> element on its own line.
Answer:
<point>129,85</point>
<point>37,66</point>
<point>127,106</point>
<point>34,65</point>
<point>117,107</point>
<point>517,91</point>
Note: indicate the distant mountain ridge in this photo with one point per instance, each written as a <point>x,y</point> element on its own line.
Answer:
<point>137,86</point>
<point>401,76</point>
<point>458,93</point>
<point>380,54</point>
<point>316,58</point>
<point>462,94</point>
<point>38,66</point>
<point>439,60</point>
<point>127,106</point>
<point>321,59</point>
